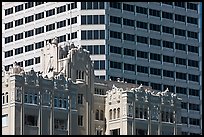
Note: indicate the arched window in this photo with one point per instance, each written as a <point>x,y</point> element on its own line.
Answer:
<point>118,113</point>
<point>97,114</point>
<point>101,115</point>
<point>114,113</point>
<point>110,114</point>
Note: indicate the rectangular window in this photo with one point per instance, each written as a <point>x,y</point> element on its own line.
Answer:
<point>116,65</point>
<point>29,33</point>
<point>129,52</point>
<point>8,11</point>
<point>182,90</point>
<point>192,77</point>
<point>18,22</point>
<point>168,73</point>
<point>155,42</point>
<point>39,16</point>
<point>192,34</point>
<point>142,54</point>
<point>116,50</point>
<point>166,29</point>
<point>193,49</point>
<point>128,37</point>
<point>168,59</point>
<point>129,67</point>
<point>80,98</point>
<point>180,75</point>
<point>168,44</point>
<point>195,107</point>
<point>31,120</point>
<point>61,38</point>
<point>180,32</point>
<point>83,5</point>
<point>61,9</point>
<point>29,62</point>
<point>142,39</point>
<point>184,120</point>
<point>101,19</point>
<point>29,5</point>
<point>8,53</point>
<point>194,92</point>
<point>193,63</point>
<point>115,19</point>
<point>29,47</point>
<point>128,7</point>
<point>39,30</point>
<point>180,18</point>
<point>96,65</point>
<point>61,24</point>
<point>50,12</point>
<point>39,45</point>
<point>156,86</point>
<point>167,15</point>
<point>128,22</point>
<point>192,6</point>
<point>142,69</point>
<point>29,19</point>
<point>8,25</point>
<point>4,120</point>
<point>141,10</point>
<point>8,39</point>
<point>18,50</point>
<point>80,120</point>
<point>192,20</point>
<point>142,25</point>
<point>180,4</point>
<point>193,121</point>
<point>155,56</point>
<point>19,8</point>
<point>116,5</point>
<point>102,49</point>
<point>155,71</point>
<point>168,3</point>
<point>74,35</point>
<point>50,27</point>
<point>155,13</point>
<point>180,46</point>
<point>74,20</point>
<point>83,19</point>
<point>180,61</point>
<point>38,3</point>
<point>184,105</point>
<point>19,36</point>
<point>155,27</point>
<point>115,34</point>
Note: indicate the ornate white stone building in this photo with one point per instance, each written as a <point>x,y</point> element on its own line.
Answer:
<point>66,99</point>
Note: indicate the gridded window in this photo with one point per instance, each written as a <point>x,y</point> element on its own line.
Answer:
<point>180,32</point>
<point>29,5</point>
<point>116,65</point>
<point>37,60</point>
<point>20,64</point>
<point>8,39</point>
<point>180,4</point>
<point>61,24</point>
<point>29,62</point>
<point>192,77</point>
<point>155,13</point>
<point>8,25</point>
<point>192,20</point>
<point>193,49</point>
<point>18,50</point>
<point>74,20</point>
<point>29,19</point>
<point>168,73</point>
<point>155,27</point>
<point>180,75</point>
<point>39,45</point>
<point>99,64</point>
<point>50,27</point>
<point>168,44</point>
<point>50,12</point>
<point>61,9</point>
<point>180,46</point>
<point>194,121</point>
<point>128,22</point>
<point>142,54</point>
<point>142,39</point>
<point>184,120</point>
<point>8,11</point>
<point>19,36</point>
<point>29,33</point>
<point>167,15</point>
<point>168,59</point>
<point>128,37</point>
<point>155,42</point>
<point>39,30</point>
<point>142,25</point>
<point>194,92</point>
<point>19,8</point>
<point>18,22</point>
<point>195,107</point>
<point>129,67</point>
<point>128,7</point>
<point>61,38</point>
<point>180,61</point>
<point>128,52</point>
<point>39,16</point>
<point>115,19</point>
<point>141,10</point>
<point>166,29</point>
<point>193,63</point>
<point>156,86</point>
<point>192,34</point>
<point>115,34</point>
<point>155,71</point>
<point>73,5</point>
<point>192,6</point>
<point>180,18</point>
<point>8,53</point>
<point>182,90</point>
<point>142,69</point>
<point>117,50</point>
<point>116,5</point>
<point>155,56</point>
<point>184,105</point>
<point>29,47</point>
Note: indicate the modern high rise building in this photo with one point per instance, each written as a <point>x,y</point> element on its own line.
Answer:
<point>151,43</point>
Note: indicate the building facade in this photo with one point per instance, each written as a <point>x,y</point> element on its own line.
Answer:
<point>156,44</point>
<point>65,99</point>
